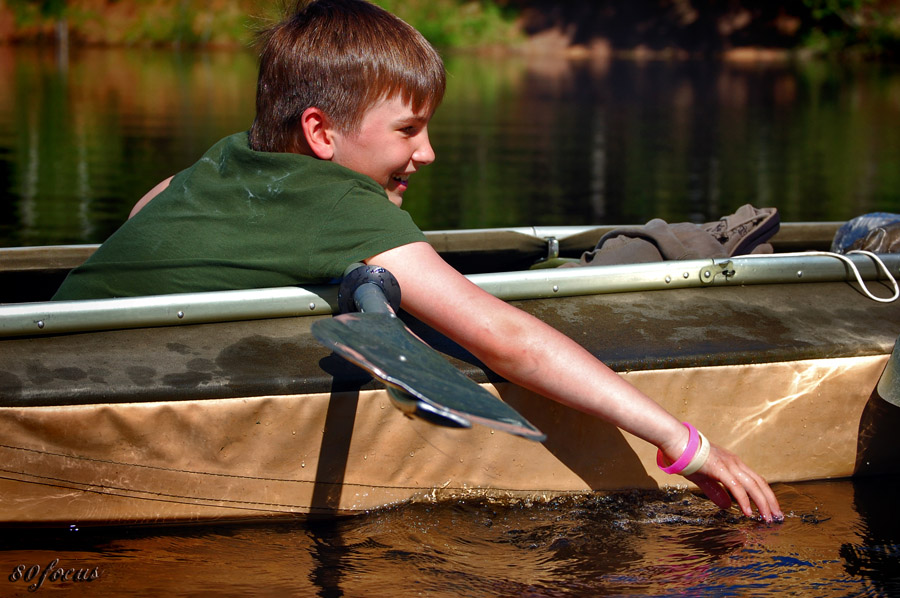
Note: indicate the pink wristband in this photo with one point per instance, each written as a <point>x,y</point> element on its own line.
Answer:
<point>689,451</point>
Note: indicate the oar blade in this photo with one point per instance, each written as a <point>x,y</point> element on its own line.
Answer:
<point>380,344</point>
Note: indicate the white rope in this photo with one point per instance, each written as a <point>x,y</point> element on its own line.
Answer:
<point>878,262</point>
<point>884,269</point>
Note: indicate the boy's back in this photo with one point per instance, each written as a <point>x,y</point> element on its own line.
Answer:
<point>241,219</point>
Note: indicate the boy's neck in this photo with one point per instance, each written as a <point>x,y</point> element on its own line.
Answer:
<point>301,146</point>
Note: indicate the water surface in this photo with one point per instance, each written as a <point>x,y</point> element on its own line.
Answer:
<point>519,142</point>
<point>840,538</point>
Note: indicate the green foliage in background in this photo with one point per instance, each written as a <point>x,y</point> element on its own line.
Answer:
<point>142,22</point>
<point>447,23</point>
<point>870,28</point>
<point>457,23</point>
<point>30,12</point>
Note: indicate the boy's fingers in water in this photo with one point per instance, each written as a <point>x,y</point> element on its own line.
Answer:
<point>725,474</point>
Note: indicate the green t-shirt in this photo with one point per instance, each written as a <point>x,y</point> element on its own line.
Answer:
<point>240,219</point>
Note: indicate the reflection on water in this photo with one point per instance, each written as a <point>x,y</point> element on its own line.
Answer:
<point>839,539</point>
<point>80,144</point>
<point>875,556</point>
<point>518,142</point>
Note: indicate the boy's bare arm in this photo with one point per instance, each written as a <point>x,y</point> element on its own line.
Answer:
<point>530,353</point>
<point>159,188</point>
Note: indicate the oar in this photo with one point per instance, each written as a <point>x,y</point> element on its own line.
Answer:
<point>420,382</point>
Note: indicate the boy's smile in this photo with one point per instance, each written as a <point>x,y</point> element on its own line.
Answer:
<point>391,144</point>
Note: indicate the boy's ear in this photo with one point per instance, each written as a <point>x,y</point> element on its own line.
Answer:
<point>318,132</point>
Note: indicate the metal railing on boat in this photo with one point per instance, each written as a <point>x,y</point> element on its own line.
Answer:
<point>28,319</point>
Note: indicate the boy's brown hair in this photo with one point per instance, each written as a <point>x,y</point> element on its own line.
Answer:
<point>341,56</point>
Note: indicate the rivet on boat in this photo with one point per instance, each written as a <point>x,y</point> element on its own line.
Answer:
<point>799,273</point>
<point>668,279</point>
<point>556,288</point>
<point>40,324</point>
<point>686,274</point>
<point>707,274</point>
<point>312,306</point>
<point>180,314</point>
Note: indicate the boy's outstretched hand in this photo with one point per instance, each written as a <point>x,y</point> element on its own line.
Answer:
<point>725,475</point>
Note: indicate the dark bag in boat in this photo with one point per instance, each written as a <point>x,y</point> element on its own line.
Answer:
<point>745,231</point>
<point>878,232</point>
<point>884,239</point>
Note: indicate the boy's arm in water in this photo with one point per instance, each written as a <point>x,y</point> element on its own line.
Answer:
<point>534,355</point>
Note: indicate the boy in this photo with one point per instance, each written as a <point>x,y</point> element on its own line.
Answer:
<point>344,97</point>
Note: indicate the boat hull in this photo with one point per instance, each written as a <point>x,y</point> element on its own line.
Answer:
<point>331,454</point>
<point>250,420</point>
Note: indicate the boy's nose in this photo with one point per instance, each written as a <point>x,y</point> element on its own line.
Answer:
<point>424,154</point>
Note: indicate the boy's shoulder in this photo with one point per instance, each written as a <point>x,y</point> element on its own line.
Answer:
<point>232,158</point>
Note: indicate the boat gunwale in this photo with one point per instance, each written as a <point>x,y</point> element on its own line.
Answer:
<point>59,317</point>
<point>573,239</point>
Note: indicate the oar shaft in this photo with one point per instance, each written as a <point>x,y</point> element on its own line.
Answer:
<point>370,299</point>
<point>370,289</point>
